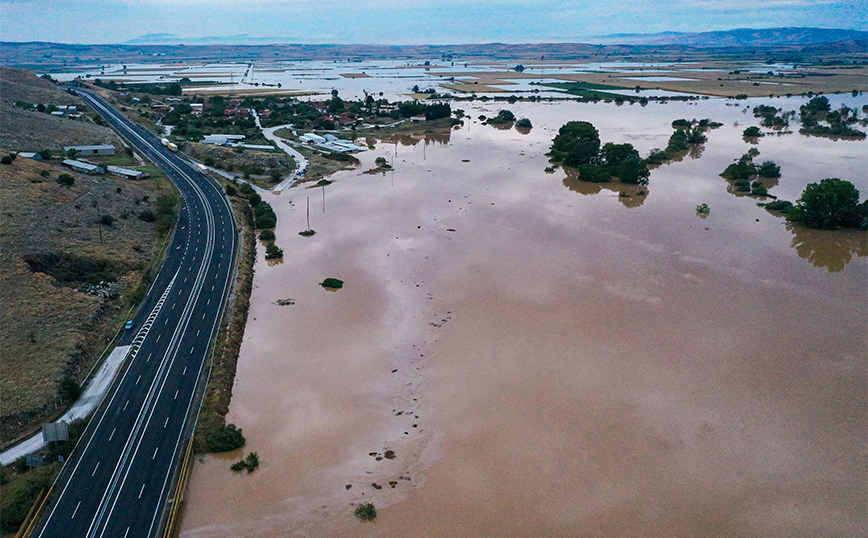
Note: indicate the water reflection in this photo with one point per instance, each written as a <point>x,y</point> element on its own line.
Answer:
<point>628,195</point>
<point>829,249</point>
<point>440,136</point>
<point>523,130</point>
<point>695,151</point>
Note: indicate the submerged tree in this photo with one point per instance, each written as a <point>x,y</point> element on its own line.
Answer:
<point>832,203</point>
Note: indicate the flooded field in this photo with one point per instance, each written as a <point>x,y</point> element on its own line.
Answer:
<point>546,358</point>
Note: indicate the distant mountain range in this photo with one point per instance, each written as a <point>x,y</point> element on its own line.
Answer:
<point>740,37</point>
<point>239,39</point>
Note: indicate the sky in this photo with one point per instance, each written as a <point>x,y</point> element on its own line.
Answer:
<point>407,21</point>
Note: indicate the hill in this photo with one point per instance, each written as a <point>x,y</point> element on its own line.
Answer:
<point>57,244</point>
<point>29,130</point>
<point>741,37</point>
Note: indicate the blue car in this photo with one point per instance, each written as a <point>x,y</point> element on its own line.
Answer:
<point>128,325</point>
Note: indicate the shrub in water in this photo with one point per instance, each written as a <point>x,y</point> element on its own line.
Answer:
<point>226,439</point>
<point>332,283</point>
<point>366,512</point>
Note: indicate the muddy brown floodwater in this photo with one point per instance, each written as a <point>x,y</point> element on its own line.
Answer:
<point>548,359</point>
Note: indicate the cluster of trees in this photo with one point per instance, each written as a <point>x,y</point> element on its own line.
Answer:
<point>818,109</point>
<point>504,116</point>
<point>745,174</point>
<point>263,217</point>
<point>577,144</point>
<point>770,117</point>
<point>830,204</point>
<point>171,88</point>
<point>686,133</point>
<point>433,111</point>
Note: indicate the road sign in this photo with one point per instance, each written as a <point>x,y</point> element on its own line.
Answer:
<point>34,461</point>
<point>55,431</point>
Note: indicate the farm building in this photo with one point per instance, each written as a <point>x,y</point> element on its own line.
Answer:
<point>105,149</point>
<point>126,172</point>
<point>30,155</point>
<point>84,168</point>
<point>311,138</point>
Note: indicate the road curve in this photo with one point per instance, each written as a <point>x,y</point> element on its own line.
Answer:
<point>118,481</point>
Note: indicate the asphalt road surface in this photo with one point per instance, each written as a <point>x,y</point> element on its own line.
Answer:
<point>118,481</point>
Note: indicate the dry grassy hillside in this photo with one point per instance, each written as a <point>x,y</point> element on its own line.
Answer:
<point>27,130</point>
<point>50,252</point>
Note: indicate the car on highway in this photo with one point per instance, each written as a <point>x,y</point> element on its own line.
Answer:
<point>128,325</point>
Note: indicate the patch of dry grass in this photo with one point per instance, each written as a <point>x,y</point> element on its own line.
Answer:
<point>51,331</point>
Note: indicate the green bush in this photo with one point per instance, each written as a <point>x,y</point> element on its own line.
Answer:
<point>251,462</point>
<point>523,123</point>
<point>147,215</point>
<point>230,190</point>
<point>783,206</point>
<point>6,159</point>
<point>266,235</point>
<point>366,512</point>
<point>226,439</point>
<point>272,252</point>
<point>107,219</point>
<point>832,203</point>
<point>752,132</point>
<point>69,389</point>
<point>332,283</point>
<point>66,180</point>
<point>253,199</point>
<point>768,169</point>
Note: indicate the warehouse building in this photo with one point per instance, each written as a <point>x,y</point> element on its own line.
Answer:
<point>126,172</point>
<point>84,168</point>
<point>105,149</point>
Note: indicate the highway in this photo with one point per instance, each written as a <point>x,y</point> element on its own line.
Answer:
<point>118,481</point>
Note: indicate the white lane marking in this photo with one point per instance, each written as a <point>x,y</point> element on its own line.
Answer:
<point>209,300</point>
<point>197,332</point>
<point>173,305</point>
<point>203,316</point>
<point>166,423</point>
<point>185,371</point>
<point>212,288</point>
<point>158,337</point>
<point>143,488</point>
<point>113,433</point>
<point>149,357</point>
<point>155,453</point>
<point>76,510</point>
<point>125,405</point>
<point>139,379</point>
<point>126,533</point>
<point>95,468</point>
<point>176,395</point>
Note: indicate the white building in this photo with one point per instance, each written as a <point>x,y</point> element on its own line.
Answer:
<point>312,138</point>
<point>29,155</point>
<point>221,139</point>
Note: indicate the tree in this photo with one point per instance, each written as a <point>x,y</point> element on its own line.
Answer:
<point>519,68</point>
<point>523,123</point>
<point>769,169</point>
<point>752,132</point>
<point>71,153</point>
<point>831,204</point>
<point>66,180</point>
<point>615,154</point>
<point>6,159</point>
<point>578,142</point>
<point>633,170</point>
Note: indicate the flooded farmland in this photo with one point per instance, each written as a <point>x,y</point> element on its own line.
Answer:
<point>545,357</point>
